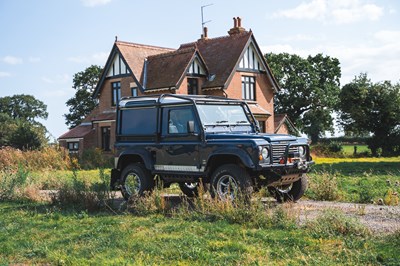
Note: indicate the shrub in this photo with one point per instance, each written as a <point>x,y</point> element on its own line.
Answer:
<point>95,158</point>
<point>50,158</point>
<point>333,149</point>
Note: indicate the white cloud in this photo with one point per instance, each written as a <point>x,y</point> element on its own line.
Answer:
<point>93,3</point>
<point>377,56</point>
<point>337,11</point>
<point>12,60</point>
<point>98,58</point>
<point>62,78</point>
<point>388,36</point>
<point>312,10</point>
<point>4,74</point>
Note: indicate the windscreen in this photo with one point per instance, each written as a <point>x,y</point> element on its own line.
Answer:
<point>225,117</point>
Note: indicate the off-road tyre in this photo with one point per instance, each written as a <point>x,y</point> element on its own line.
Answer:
<point>135,179</point>
<point>231,182</point>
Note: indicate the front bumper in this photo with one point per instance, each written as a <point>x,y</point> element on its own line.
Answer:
<point>283,174</point>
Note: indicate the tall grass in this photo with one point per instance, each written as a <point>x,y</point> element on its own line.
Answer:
<point>12,183</point>
<point>48,158</point>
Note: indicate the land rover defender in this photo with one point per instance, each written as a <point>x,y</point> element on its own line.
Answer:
<point>214,141</point>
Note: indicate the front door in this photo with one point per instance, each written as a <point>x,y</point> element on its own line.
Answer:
<point>179,149</point>
<point>105,138</point>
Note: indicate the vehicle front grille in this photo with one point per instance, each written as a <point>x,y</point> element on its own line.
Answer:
<point>278,151</point>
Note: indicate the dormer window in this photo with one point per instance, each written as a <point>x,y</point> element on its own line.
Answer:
<point>196,68</point>
<point>251,60</point>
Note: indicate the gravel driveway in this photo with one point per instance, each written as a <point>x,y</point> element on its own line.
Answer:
<point>379,219</point>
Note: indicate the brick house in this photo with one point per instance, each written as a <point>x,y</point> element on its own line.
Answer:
<point>231,66</point>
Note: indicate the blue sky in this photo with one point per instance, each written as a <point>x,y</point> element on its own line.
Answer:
<point>44,42</point>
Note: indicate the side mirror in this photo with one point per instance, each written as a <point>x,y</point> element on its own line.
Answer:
<point>190,127</point>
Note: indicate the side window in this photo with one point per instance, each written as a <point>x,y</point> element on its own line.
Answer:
<point>138,121</point>
<point>178,119</point>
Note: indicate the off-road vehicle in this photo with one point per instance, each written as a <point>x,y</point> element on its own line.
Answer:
<point>215,141</point>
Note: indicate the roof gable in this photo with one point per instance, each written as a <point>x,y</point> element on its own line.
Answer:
<point>221,56</point>
<point>131,55</point>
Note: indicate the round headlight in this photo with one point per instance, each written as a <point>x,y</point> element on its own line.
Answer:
<point>265,153</point>
<point>302,151</point>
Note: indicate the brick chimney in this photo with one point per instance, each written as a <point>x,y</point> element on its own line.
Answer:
<point>204,36</point>
<point>237,26</point>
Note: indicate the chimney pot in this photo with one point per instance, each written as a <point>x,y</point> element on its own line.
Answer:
<point>239,22</point>
<point>205,32</point>
<point>234,23</point>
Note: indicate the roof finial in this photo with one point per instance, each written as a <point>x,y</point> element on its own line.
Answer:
<point>116,38</point>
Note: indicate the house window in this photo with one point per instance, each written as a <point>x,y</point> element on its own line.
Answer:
<point>105,138</point>
<point>193,85</point>
<point>134,91</point>
<point>73,146</point>
<point>262,126</point>
<point>248,88</point>
<point>115,93</point>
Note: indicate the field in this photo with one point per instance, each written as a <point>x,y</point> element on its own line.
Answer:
<point>199,232</point>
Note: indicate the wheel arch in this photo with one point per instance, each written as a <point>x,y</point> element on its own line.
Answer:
<point>238,157</point>
<point>129,157</point>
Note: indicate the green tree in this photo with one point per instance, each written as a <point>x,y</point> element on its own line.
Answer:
<point>28,136</point>
<point>375,108</point>
<point>82,103</point>
<point>24,107</point>
<point>18,125</point>
<point>309,90</point>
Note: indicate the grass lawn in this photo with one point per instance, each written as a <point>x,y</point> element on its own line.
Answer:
<point>359,179</point>
<point>348,150</point>
<point>42,234</point>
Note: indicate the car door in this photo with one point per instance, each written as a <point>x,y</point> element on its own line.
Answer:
<point>178,150</point>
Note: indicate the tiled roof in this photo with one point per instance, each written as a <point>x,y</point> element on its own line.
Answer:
<point>77,132</point>
<point>135,54</point>
<point>258,110</point>
<point>167,70</point>
<point>104,117</point>
<point>221,55</point>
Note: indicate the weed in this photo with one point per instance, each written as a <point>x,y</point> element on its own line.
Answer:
<point>323,186</point>
<point>366,191</point>
<point>334,223</point>
<point>83,195</point>
<point>12,183</point>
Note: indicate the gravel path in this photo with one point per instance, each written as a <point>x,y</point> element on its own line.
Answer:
<point>379,219</point>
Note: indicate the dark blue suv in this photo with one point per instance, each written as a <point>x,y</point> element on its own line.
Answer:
<point>215,141</point>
